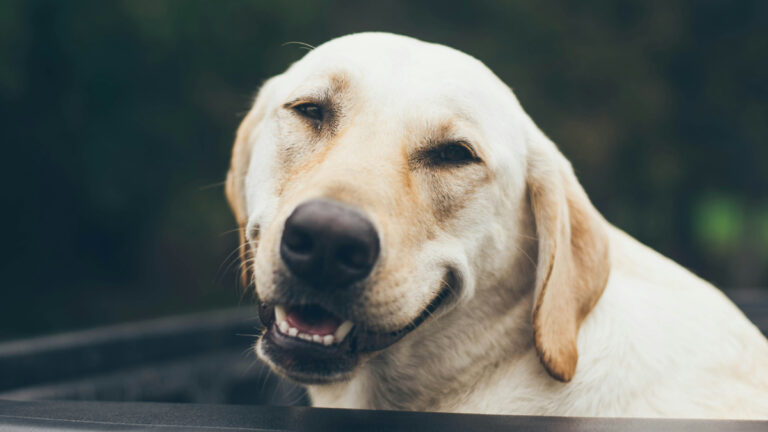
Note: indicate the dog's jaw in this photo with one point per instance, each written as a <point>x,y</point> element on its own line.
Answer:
<point>441,364</point>
<point>331,349</point>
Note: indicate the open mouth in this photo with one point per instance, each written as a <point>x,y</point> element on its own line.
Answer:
<point>312,345</point>
<point>311,324</point>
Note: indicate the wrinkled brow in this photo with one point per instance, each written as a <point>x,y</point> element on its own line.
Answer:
<point>325,88</point>
<point>451,128</point>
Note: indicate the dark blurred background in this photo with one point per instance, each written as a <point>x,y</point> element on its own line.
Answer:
<point>117,118</point>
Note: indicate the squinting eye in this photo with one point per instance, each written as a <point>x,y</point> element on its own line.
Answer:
<point>310,111</point>
<point>453,153</point>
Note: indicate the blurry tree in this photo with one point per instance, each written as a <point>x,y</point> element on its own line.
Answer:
<point>117,119</point>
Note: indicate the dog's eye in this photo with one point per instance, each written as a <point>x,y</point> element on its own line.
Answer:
<point>309,110</point>
<point>452,154</point>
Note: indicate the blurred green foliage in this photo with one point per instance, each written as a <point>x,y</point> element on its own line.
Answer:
<point>718,223</point>
<point>117,119</point>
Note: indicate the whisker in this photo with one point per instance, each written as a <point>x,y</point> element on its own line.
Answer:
<point>295,393</point>
<point>303,45</point>
<point>248,335</point>
<point>229,261</point>
<point>212,185</point>
<point>519,249</point>
<point>223,233</point>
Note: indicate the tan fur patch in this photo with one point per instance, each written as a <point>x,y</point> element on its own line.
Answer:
<point>312,145</point>
<point>574,264</point>
<point>448,189</point>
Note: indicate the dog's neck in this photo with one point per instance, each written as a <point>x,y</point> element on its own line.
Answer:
<point>433,368</point>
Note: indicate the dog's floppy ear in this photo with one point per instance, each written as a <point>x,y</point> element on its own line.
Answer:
<point>573,259</point>
<point>235,184</point>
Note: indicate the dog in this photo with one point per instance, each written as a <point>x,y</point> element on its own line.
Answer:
<point>417,243</point>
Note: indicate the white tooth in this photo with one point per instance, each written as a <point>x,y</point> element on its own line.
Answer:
<point>279,313</point>
<point>327,340</point>
<point>343,330</point>
<point>305,336</point>
<point>283,326</point>
<point>317,338</point>
<point>293,332</point>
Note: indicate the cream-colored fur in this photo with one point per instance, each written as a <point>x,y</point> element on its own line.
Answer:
<point>556,311</point>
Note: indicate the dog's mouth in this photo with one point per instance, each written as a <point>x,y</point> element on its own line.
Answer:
<point>312,345</point>
<point>311,323</point>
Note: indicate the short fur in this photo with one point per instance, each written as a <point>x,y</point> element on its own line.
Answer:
<point>556,311</point>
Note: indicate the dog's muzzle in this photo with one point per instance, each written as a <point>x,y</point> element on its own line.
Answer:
<point>328,248</point>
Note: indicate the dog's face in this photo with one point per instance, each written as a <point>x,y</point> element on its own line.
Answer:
<point>378,183</point>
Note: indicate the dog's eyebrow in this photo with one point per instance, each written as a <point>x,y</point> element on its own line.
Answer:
<point>326,91</point>
<point>317,95</point>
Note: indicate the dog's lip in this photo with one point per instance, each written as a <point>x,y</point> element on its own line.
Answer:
<point>375,341</point>
<point>362,340</point>
<point>310,362</point>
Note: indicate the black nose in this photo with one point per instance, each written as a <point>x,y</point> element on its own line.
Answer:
<point>329,244</point>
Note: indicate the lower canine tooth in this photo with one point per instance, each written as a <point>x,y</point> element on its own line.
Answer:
<point>343,330</point>
<point>283,326</point>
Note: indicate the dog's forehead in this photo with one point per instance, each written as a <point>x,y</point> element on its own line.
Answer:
<point>399,87</point>
<point>398,70</point>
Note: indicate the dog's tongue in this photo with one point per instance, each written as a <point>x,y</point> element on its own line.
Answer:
<point>312,320</point>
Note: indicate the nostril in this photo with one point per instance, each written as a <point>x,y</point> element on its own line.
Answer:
<point>298,241</point>
<point>354,256</point>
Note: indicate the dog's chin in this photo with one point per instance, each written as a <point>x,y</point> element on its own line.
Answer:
<point>310,345</point>
<point>306,362</point>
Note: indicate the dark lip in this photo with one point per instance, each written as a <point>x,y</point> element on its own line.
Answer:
<point>375,341</point>
<point>308,362</point>
<point>295,356</point>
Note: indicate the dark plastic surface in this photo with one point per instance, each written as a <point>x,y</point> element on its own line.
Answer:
<point>105,416</point>
<point>204,358</point>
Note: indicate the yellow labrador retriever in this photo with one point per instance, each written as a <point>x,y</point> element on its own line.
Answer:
<point>417,243</point>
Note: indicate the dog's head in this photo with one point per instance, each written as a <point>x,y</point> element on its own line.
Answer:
<point>381,181</point>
